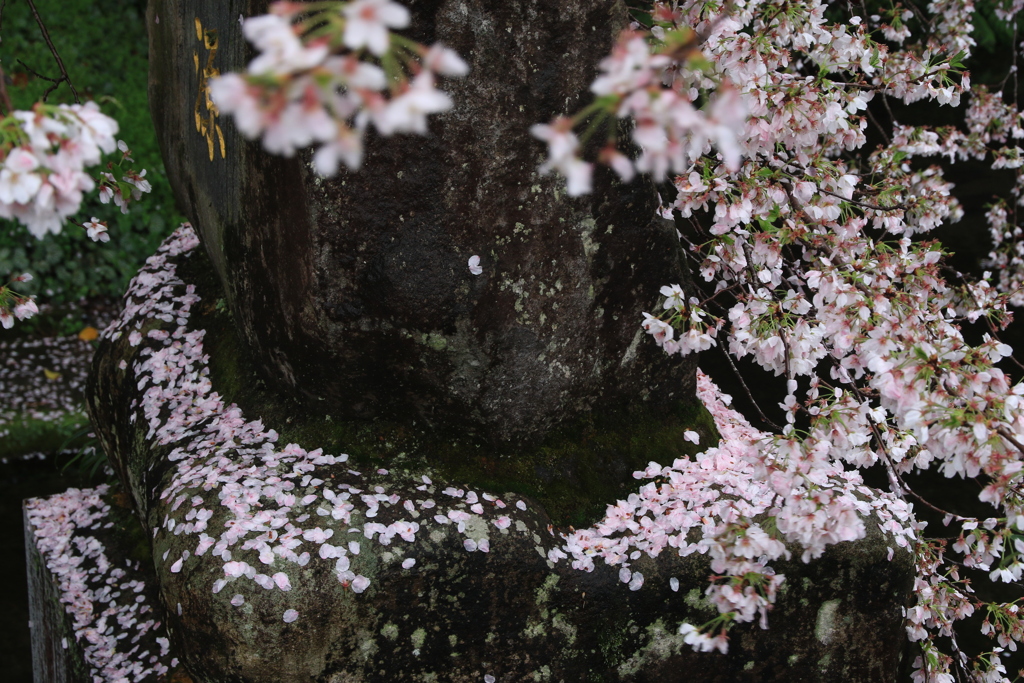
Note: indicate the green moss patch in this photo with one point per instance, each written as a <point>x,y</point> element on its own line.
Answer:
<point>575,473</point>
<point>24,435</point>
<point>127,533</point>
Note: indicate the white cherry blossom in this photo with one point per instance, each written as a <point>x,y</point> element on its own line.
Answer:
<point>369,21</point>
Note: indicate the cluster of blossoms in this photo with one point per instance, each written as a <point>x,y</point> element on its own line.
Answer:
<point>15,306</point>
<point>121,184</point>
<point>814,267</point>
<point>46,152</point>
<point>749,62</point>
<point>328,70</point>
<point>43,180</point>
<point>718,494</point>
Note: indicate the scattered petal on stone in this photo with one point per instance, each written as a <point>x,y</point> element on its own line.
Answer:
<point>290,615</point>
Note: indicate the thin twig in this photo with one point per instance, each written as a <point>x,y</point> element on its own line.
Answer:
<point>3,76</point>
<point>39,75</point>
<point>8,108</point>
<point>921,16</point>
<point>925,502</point>
<point>878,125</point>
<point>56,55</point>
<point>885,101</point>
<point>872,207</point>
<point>750,395</point>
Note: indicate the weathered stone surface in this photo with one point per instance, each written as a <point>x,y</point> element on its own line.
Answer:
<point>281,563</point>
<point>354,292</point>
<point>93,601</point>
<point>205,482</point>
<point>52,659</point>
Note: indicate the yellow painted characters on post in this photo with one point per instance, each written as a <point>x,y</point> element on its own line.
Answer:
<point>206,111</point>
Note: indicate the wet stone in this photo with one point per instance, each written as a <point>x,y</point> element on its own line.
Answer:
<point>355,294</point>
<point>94,605</point>
<point>283,562</point>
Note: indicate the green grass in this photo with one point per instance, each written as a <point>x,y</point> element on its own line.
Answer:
<point>104,47</point>
<point>28,435</point>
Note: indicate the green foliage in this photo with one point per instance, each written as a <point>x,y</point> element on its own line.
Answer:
<point>104,47</point>
<point>85,455</point>
<point>991,33</point>
<point>29,435</point>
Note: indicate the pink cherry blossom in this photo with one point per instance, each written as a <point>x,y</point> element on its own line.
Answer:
<point>306,87</point>
<point>18,182</point>
<point>368,22</point>
<point>97,230</point>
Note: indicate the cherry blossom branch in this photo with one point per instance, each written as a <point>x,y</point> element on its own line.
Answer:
<point>1003,432</point>
<point>864,205</point>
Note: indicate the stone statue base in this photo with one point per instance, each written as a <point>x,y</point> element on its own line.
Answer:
<point>277,561</point>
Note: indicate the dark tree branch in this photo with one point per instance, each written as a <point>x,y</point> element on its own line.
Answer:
<point>750,394</point>
<point>8,108</point>
<point>39,75</point>
<point>885,135</point>
<point>56,56</point>
<point>3,76</point>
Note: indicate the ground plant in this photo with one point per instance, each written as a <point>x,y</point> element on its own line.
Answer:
<point>103,51</point>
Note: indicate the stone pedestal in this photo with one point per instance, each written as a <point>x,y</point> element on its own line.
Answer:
<point>353,294</point>
<point>278,561</point>
<point>94,605</point>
